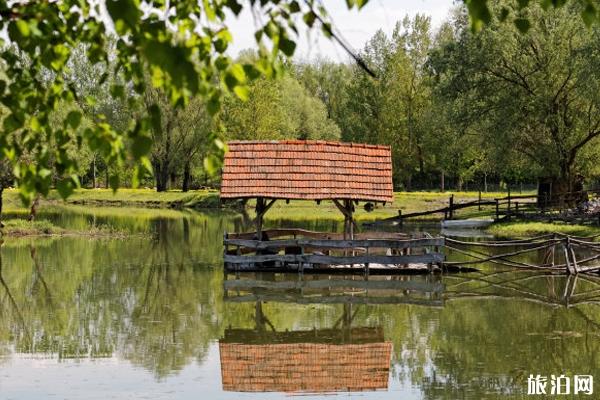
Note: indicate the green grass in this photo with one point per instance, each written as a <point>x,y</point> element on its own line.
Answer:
<point>21,227</point>
<point>528,229</point>
<point>147,198</point>
<point>408,202</point>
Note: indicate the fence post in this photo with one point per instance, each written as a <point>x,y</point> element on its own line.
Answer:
<point>508,206</point>
<point>400,217</point>
<point>451,207</point>
<point>479,200</point>
<point>497,209</point>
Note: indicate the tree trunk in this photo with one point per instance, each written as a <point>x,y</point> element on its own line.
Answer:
<point>186,177</point>
<point>94,172</point>
<point>33,210</point>
<point>161,174</point>
<point>485,182</point>
<point>442,183</point>
<point>1,193</point>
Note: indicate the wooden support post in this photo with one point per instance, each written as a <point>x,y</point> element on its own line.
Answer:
<point>347,208</point>
<point>261,208</point>
<point>367,267</point>
<point>508,206</point>
<point>479,200</point>
<point>497,209</point>
<point>517,208</point>
<point>571,269</point>
<point>301,264</point>
<point>400,217</point>
<point>260,205</point>
<point>451,206</point>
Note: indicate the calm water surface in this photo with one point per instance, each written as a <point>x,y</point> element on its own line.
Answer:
<point>154,316</point>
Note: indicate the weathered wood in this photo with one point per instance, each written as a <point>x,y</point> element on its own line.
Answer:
<point>282,232</point>
<point>299,299</point>
<point>243,284</point>
<point>334,260</point>
<point>335,244</point>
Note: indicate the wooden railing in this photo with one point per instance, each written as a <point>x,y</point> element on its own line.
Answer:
<point>505,207</point>
<point>251,254</point>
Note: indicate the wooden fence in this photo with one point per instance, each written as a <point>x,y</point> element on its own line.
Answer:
<point>312,251</point>
<point>504,207</point>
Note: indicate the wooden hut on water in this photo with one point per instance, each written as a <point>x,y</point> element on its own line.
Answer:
<point>344,173</point>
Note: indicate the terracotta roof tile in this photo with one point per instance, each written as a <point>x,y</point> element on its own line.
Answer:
<point>311,170</point>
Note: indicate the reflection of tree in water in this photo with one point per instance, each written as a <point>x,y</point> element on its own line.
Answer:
<point>492,332</point>
<point>158,302</point>
<point>145,299</point>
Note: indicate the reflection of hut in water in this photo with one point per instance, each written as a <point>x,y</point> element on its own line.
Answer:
<point>321,360</point>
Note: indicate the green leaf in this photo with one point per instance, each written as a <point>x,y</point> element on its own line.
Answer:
<point>589,14</point>
<point>73,119</point>
<point>251,71</point>
<point>234,6</point>
<point>23,27</point>
<point>65,188</point>
<point>522,24</point>
<point>125,14</point>
<point>479,13</point>
<point>117,91</point>
<point>209,11</point>
<point>287,46</point>
<point>242,92</point>
<point>212,164</point>
<point>309,18</point>
<point>294,7</point>
<point>214,104</point>
<point>141,146</point>
<point>11,123</point>
<point>155,119</point>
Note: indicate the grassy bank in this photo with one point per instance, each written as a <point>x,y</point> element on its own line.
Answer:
<point>148,198</point>
<point>20,227</point>
<point>528,229</point>
<point>408,202</point>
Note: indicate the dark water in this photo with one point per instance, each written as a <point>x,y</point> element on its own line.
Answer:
<point>154,316</point>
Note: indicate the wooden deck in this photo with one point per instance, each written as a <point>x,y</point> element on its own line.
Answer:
<point>306,251</point>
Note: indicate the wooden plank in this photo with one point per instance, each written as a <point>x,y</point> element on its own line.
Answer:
<point>275,233</point>
<point>292,298</point>
<point>335,260</point>
<point>335,244</point>
<point>436,287</point>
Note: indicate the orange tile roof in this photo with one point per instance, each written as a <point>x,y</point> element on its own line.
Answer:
<point>304,367</point>
<point>308,170</point>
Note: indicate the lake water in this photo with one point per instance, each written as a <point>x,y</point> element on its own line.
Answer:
<point>154,316</point>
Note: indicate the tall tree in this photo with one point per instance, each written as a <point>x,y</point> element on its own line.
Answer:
<point>534,96</point>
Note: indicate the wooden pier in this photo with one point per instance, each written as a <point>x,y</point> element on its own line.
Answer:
<point>301,250</point>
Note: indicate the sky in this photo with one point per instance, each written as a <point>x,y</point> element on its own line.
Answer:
<point>356,27</point>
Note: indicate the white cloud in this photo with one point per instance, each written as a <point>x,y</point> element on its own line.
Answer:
<point>355,26</point>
